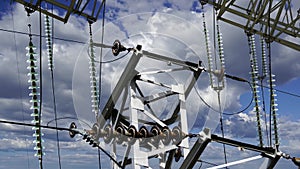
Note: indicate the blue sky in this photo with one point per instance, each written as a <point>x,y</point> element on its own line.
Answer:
<point>166,27</point>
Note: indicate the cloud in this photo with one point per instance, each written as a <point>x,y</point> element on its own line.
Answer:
<point>241,125</point>
<point>166,27</point>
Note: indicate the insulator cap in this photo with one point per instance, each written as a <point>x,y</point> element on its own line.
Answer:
<point>117,48</point>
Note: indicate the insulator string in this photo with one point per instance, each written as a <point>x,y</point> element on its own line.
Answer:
<point>264,74</point>
<point>208,49</point>
<point>264,58</point>
<point>274,108</point>
<point>49,43</point>
<point>34,93</point>
<point>273,104</point>
<point>218,73</point>
<point>221,55</point>
<point>93,78</point>
<point>254,77</point>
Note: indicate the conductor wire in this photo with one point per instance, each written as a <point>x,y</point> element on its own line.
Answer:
<point>49,36</point>
<point>41,87</point>
<point>19,80</point>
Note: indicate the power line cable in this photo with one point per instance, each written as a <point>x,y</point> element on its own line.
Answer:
<point>101,52</point>
<point>287,156</point>
<point>41,87</point>
<point>282,91</point>
<point>49,34</point>
<point>37,35</point>
<point>206,162</point>
<point>34,125</point>
<point>19,80</point>
<point>62,118</point>
<point>200,165</point>
<point>210,107</point>
<point>108,61</point>
<point>61,129</point>
<point>63,39</point>
<point>249,104</point>
<point>100,69</point>
<point>113,60</point>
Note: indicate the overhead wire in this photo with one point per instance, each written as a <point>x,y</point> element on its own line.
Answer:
<point>62,39</point>
<point>49,33</point>
<point>287,156</point>
<point>261,78</point>
<point>252,97</point>
<point>62,118</point>
<point>33,125</point>
<point>206,162</point>
<point>19,80</point>
<point>37,35</point>
<point>246,107</point>
<point>200,165</point>
<point>219,87</point>
<point>101,52</point>
<point>113,60</point>
<point>108,61</point>
<point>100,69</point>
<point>61,129</point>
<point>41,86</point>
<point>270,69</point>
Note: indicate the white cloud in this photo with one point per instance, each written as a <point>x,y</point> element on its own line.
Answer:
<point>170,31</point>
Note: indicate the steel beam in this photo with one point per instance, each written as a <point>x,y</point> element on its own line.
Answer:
<point>272,161</point>
<point>128,74</point>
<point>236,162</point>
<point>197,149</point>
<point>247,146</point>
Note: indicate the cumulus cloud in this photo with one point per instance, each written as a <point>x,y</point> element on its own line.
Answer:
<point>168,28</point>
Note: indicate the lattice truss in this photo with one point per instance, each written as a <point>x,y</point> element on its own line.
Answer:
<point>121,122</point>
<point>135,140</point>
<point>275,20</point>
<point>89,9</point>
